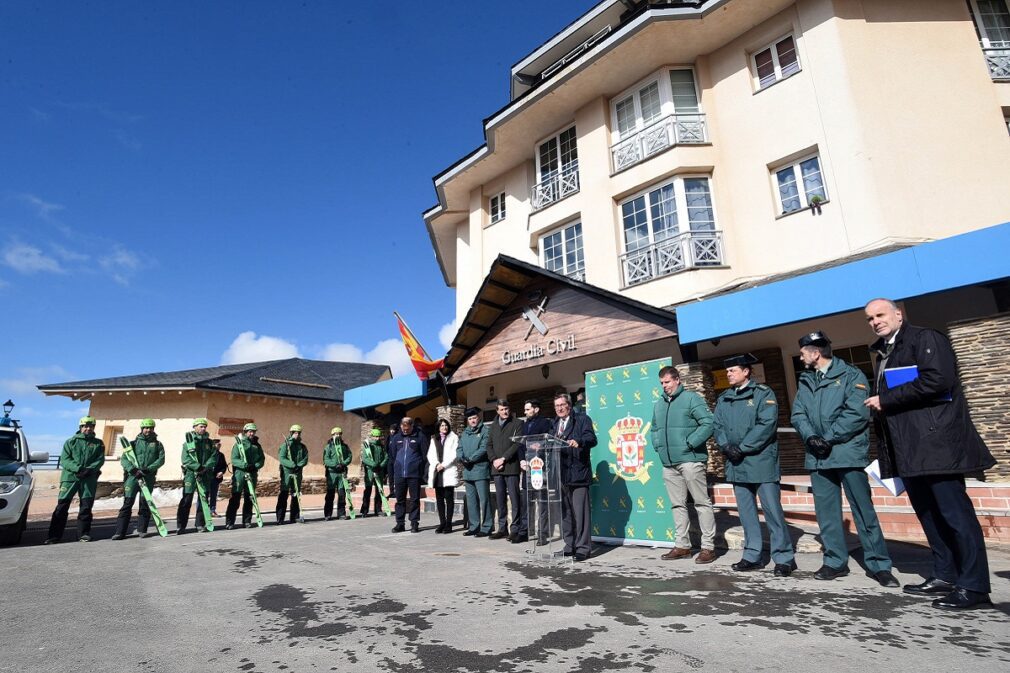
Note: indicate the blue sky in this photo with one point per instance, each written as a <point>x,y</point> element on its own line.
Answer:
<point>184,184</point>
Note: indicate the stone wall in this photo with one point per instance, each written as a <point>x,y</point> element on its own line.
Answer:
<point>982,346</point>
<point>454,414</point>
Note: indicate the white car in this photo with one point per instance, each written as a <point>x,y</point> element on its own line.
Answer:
<point>16,480</point>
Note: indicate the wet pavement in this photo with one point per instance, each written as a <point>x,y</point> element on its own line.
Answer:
<point>351,596</point>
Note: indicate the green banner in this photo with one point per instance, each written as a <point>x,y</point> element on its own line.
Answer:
<point>629,500</point>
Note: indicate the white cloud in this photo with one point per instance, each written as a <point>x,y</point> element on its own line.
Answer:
<point>42,208</point>
<point>447,333</point>
<point>29,259</point>
<point>68,255</point>
<point>24,380</point>
<point>387,352</point>
<point>247,347</point>
<point>120,264</point>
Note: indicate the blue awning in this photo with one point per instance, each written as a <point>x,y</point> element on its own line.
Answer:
<point>967,259</point>
<point>385,392</point>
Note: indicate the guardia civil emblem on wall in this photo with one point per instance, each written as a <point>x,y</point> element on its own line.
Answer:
<point>627,443</point>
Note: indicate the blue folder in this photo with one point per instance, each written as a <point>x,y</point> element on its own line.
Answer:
<point>897,376</point>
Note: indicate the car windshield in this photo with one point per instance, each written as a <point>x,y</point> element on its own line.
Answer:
<point>9,450</point>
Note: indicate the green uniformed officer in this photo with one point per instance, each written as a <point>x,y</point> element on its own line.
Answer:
<point>336,458</point>
<point>373,460</point>
<point>833,422</point>
<point>246,461</point>
<point>293,456</point>
<point>81,461</point>
<point>198,460</point>
<point>746,421</point>
<point>150,455</point>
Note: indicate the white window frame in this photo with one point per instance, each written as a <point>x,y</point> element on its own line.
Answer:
<point>564,248</point>
<point>666,104</point>
<point>496,214</point>
<point>555,136</point>
<point>798,177</point>
<point>680,200</point>
<point>771,48</point>
<point>987,42</point>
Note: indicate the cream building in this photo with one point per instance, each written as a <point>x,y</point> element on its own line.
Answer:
<point>751,169</point>
<point>273,394</point>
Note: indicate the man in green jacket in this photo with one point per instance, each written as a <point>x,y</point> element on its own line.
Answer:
<point>150,455</point>
<point>746,421</point>
<point>246,461</point>
<point>472,455</point>
<point>336,458</point>
<point>373,460</point>
<point>293,456</point>
<point>198,460</point>
<point>81,462</point>
<point>834,424</point>
<point>681,424</point>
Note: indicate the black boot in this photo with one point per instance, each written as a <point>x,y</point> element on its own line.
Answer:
<point>84,519</point>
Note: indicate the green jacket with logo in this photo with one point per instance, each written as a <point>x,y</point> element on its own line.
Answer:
<point>81,452</point>
<point>832,408</point>
<point>336,454</point>
<point>293,456</point>
<point>473,449</point>
<point>150,455</point>
<point>748,418</point>
<point>200,453</point>
<point>681,424</point>
<point>374,458</point>
<point>247,460</point>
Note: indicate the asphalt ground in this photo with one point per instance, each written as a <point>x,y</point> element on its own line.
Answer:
<point>352,596</point>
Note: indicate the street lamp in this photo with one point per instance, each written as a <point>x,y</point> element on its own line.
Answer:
<point>8,408</point>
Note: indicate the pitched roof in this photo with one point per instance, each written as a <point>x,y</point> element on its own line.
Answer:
<point>295,377</point>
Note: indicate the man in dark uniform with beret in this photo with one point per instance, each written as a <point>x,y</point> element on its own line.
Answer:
<point>834,424</point>
<point>929,440</point>
<point>746,421</point>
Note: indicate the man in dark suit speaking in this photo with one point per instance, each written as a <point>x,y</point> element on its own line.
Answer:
<point>576,476</point>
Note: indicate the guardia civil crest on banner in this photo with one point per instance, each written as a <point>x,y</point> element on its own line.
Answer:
<point>627,443</point>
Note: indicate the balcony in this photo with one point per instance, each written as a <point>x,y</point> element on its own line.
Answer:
<point>555,186</point>
<point>690,250</point>
<point>998,60</point>
<point>676,129</point>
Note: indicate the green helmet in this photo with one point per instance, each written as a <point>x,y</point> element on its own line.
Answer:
<point>376,432</point>
<point>295,428</point>
<point>147,423</point>
<point>249,426</point>
<point>200,421</point>
<point>86,420</point>
<point>336,431</point>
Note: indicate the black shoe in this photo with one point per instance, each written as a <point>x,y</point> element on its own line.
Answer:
<point>142,534</point>
<point>743,565</point>
<point>301,519</point>
<point>497,536</point>
<point>885,579</point>
<point>542,540</point>
<point>480,534</point>
<point>519,539</point>
<point>84,538</point>
<point>468,532</point>
<point>568,553</point>
<point>229,526</point>
<point>398,529</point>
<point>281,522</point>
<point>932,586</point>
<point>117,536</point>
<point>52,540</point>
<point>581,557</point>
<point>826,572</point>
<point>181,531</point>
<point>415,529</point>
<point>784,569</point>
<point>963,599</point>
<point>328,518</point>
<point>248,524</point>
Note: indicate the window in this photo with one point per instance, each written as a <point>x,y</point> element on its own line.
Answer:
<point>669,228</point>
<point>562,252</point>
<point>857,356</point>
<point>645,104</point>
<point>800,183</point>
<point>111,439</point>
<point>992,19</point>
<point>776,62</point>
<point>497,208</point>
<point>557,169</point>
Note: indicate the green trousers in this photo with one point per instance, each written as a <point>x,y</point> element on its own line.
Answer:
<point>827,486</point>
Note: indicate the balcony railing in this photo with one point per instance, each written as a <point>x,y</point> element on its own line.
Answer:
<point>676,129</point>
<point>690,250</point>
<point>998,59</point>
<point>556,186</point>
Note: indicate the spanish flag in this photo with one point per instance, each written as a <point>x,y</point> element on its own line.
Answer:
<point>423,364</point>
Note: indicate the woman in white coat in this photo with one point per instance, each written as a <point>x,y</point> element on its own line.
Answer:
<point>443,474</point>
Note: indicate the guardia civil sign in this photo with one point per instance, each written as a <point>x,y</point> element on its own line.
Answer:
<point>629,501</point>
